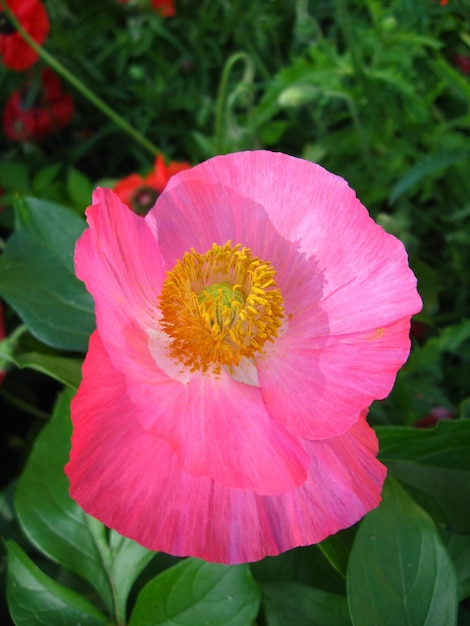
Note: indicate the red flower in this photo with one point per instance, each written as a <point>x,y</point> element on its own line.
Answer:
<point>166,8</point>
<point>31,14</point>
<point>463,63</point>
<point>51,111</point>
<point>139,193</point>
<point>434,417</point>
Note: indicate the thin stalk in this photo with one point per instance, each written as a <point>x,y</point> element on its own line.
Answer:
<point>344,21</point>
<point>221,97</point>
<point>81,87</point>
<point>24,406</point>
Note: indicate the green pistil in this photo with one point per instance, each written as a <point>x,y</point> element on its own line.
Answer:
<point>222,293</point>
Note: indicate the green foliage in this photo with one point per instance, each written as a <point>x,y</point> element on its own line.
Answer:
<point>58,311</point>
<point>372,91</point>
<point>399,571</point>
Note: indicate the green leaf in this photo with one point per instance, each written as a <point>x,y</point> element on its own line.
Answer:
<point>434,465</point>
<point>79,188</point>
<point>53,522</point>
<point>44,179</point>
<point>429,166</point>
<point>307,565</point>
<point>35,599</point>
<point>289,604</point>
<point>37,276</point>
<point>66,370</point>
<point>58,527</point>
<point>128,561</point>
<point>429,285</point>
<point>399,571</point>
<point>14,176</point>
<point>196,592</point>
<point>336,549</point>
<point>458,547</point>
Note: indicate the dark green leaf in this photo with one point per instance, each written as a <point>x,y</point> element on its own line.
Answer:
<point>458,547</point>
<point>37,277</point>
<point>128,561</point>
<point>434,464</point>
<point>336,549</point>
<point>293,604</point>
<point>35,599</point>
<point>399,571</point>
<point>44,180</point>
<point>66,370</point>
<point>307,565</point>
<point>426,168</point>
<point>49,517</point>
<point>14,176</point>
<point>429,285</point>
<point>79,188</point>
<point>196,592</point>
<point>61,529</point>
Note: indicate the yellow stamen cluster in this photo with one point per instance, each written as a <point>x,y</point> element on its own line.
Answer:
<point>220,306</point>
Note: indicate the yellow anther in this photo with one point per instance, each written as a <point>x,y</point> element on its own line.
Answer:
<point>220,306</point>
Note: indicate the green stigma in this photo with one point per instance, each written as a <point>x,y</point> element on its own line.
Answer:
<point>222,293</point>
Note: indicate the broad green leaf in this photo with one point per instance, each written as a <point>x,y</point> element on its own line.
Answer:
<point>195,592</point>
<point>336,549</point>
<point>128,559</point>
<point>45,179</point>
<point>458,547</point>
<point>399,571</point>
<point>49,517</point>
<point>79,188</point>
<point>37,276</point>
<point>35,599</point>
<point>61,529</point>
<point>308,565</point>
<point>14,176</point>
<point>66,370</point>
<point>293,604</point>
<point>434,464</point>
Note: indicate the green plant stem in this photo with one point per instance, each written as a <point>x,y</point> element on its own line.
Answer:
<point>81,87</point>
<point>221,97</point>
<point>24,406</point>
<point>344,21</point>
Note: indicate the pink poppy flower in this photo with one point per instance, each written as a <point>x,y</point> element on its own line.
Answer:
<point>243,327</point>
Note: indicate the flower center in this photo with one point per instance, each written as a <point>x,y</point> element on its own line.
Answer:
<point>6,27</point>
<point>220,306</point>
<point>143,199</point>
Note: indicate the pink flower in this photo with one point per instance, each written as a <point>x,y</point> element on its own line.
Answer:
<point>243,327</point>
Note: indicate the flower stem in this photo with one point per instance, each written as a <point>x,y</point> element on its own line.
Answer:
<point>24,406</point>
<point>81,87</point>
<point>221,97</point>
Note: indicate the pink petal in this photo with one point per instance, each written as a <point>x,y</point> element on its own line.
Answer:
<point>131,481</point>
<point>343,279</point>
<point>220,428</point>
<point>119,260</point>
<point>333,377</point>
<point>217,427</point>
